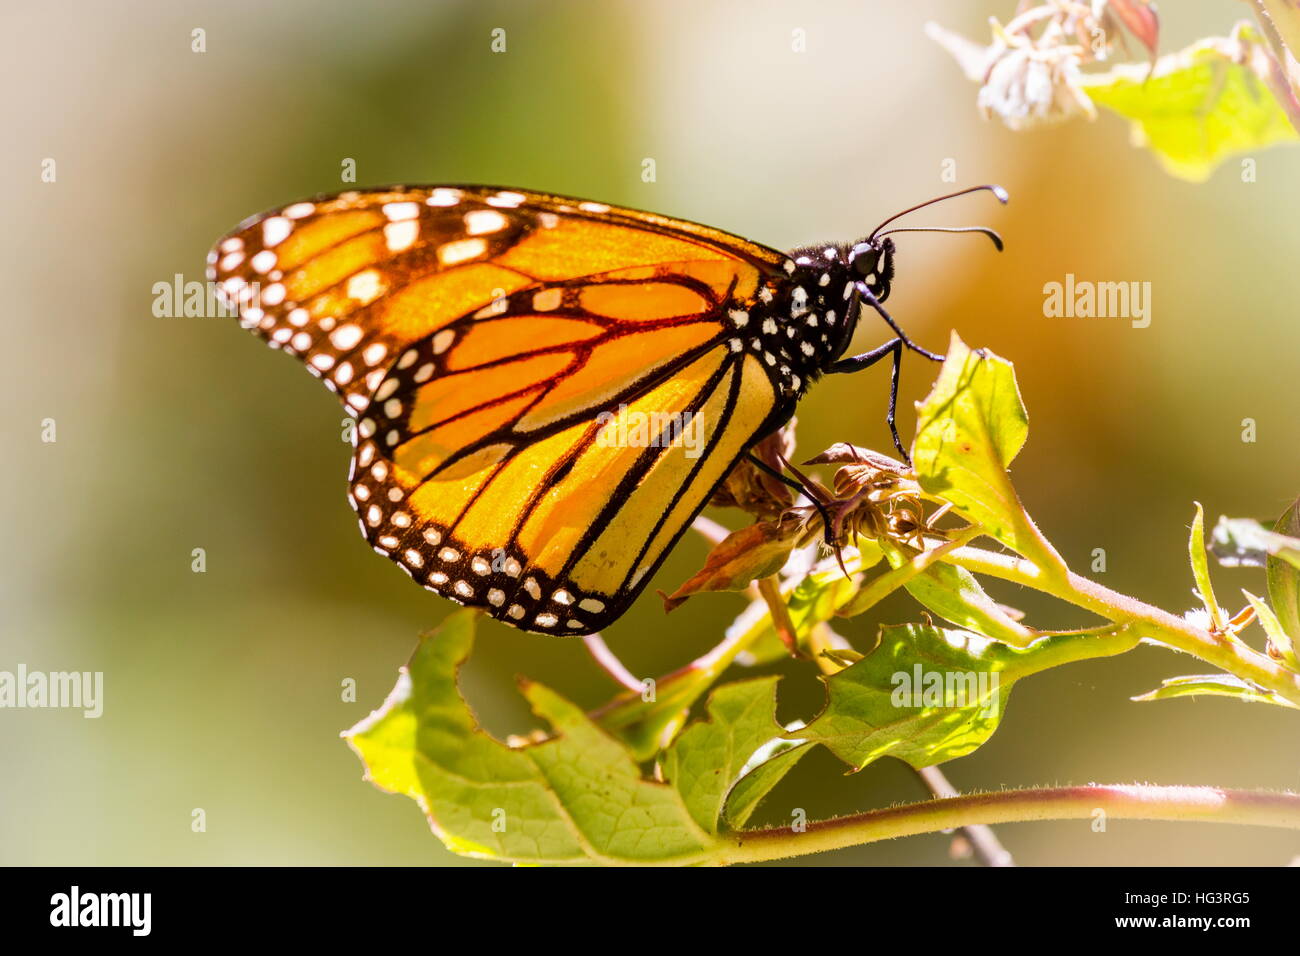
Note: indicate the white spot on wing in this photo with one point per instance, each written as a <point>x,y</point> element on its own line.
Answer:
<point>483,221</point>
<point>345,337</point>
<point>461,250</point>
<point>401,235</point>
<point>443,197</point>
<point>275,230</point>
<point>399,211</point>
<point>506,200</point>
<point>365,286</point>
<point>547,299</point>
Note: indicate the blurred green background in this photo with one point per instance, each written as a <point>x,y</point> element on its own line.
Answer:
<point>222,689</point>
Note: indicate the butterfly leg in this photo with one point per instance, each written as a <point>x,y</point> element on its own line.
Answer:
<point>872,301</point>
<point>767,469</point>
<point>856,363</point>
<point>893,403</point>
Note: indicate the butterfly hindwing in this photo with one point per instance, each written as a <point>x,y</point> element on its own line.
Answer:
<point>547,390</point>
<point>549,513</point>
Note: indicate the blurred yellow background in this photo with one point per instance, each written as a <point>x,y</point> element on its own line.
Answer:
<point>222,689</point>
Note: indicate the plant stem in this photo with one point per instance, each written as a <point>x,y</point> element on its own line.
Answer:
<point>608,661</point>
<point>1206,804</point>
<point>770,589</point>
<point>985,845</point>
<point>1150,622</point>
<point>1280,22</point>
<point>881,587</point>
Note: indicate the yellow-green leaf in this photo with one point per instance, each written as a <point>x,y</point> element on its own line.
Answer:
<point>877,588</point>
<point>927,694</point>
<point>576,797</point>
<point>1213,685</point>
<point>1280,643</point>
<point>708,759</point>
<point>1201,569</point>
<point>969,428</point>
<point>1283,572</point>
<point>816,597</point>
<point>954,594</point>
<point>1199,106</point>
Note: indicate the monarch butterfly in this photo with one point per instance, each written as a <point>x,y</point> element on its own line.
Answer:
<point>486,338</point>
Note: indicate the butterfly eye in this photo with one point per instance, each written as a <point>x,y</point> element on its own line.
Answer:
<point>864,258</point>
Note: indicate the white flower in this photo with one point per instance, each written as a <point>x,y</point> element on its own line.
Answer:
<point>1029,87</point>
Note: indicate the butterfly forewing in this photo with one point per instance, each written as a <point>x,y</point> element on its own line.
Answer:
<point>547,390</point>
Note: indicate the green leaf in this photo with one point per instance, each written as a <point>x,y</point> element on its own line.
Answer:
<point>647,726</point>
<point>1199,106</point>
<point>769,765</point>
<point>615,812</point>
<point>576,797</point>
<point>954,594</point>
<point>969,428</point>
<point>929,694</point>
<point>875,589</point>
<point>709,757</point>
<point>1201,569</point>
<point>1279,640</point>
<point>811,600</point>
<point>1216,685</point>
<point>1283,572</point>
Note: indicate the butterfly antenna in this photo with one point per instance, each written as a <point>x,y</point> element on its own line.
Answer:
<point>993,236</point>
<point>994,189</point>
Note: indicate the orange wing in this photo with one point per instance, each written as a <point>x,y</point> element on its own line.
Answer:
<point>550,389</point>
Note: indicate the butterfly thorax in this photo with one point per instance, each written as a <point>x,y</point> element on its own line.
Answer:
<point>800,321</point>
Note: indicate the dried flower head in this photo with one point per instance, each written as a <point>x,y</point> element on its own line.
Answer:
<point>871,495</point>
<point>1028,87</point>
<point>1030,74</point>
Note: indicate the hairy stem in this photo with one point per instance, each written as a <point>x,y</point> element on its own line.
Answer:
<point>1205,804</point>
<point>1148,621</point>
<point>983,841</point>
<point>1280,22</point>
